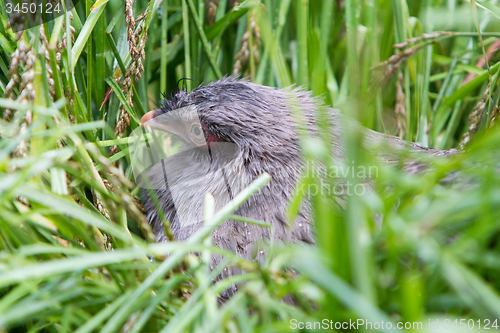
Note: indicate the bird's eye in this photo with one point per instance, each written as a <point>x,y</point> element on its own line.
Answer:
<point>197,133</point>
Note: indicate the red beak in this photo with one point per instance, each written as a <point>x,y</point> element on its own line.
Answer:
<point>147,117</point>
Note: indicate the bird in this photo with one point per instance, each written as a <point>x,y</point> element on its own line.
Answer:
<point>229,132</point>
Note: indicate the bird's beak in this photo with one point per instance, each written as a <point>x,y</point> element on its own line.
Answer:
<point>147,117</point>
<point>163,122</point>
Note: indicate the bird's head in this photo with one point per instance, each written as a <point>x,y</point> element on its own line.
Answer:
<point>255,118</point>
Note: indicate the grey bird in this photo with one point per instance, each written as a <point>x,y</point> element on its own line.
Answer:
<point>259,123</point>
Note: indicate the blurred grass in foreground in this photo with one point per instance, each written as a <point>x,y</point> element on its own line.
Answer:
<point>414,248</point>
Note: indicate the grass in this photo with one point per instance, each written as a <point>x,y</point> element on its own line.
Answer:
<point>413,249</point>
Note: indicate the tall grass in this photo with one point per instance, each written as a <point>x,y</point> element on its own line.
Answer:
<point>76,254</point>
